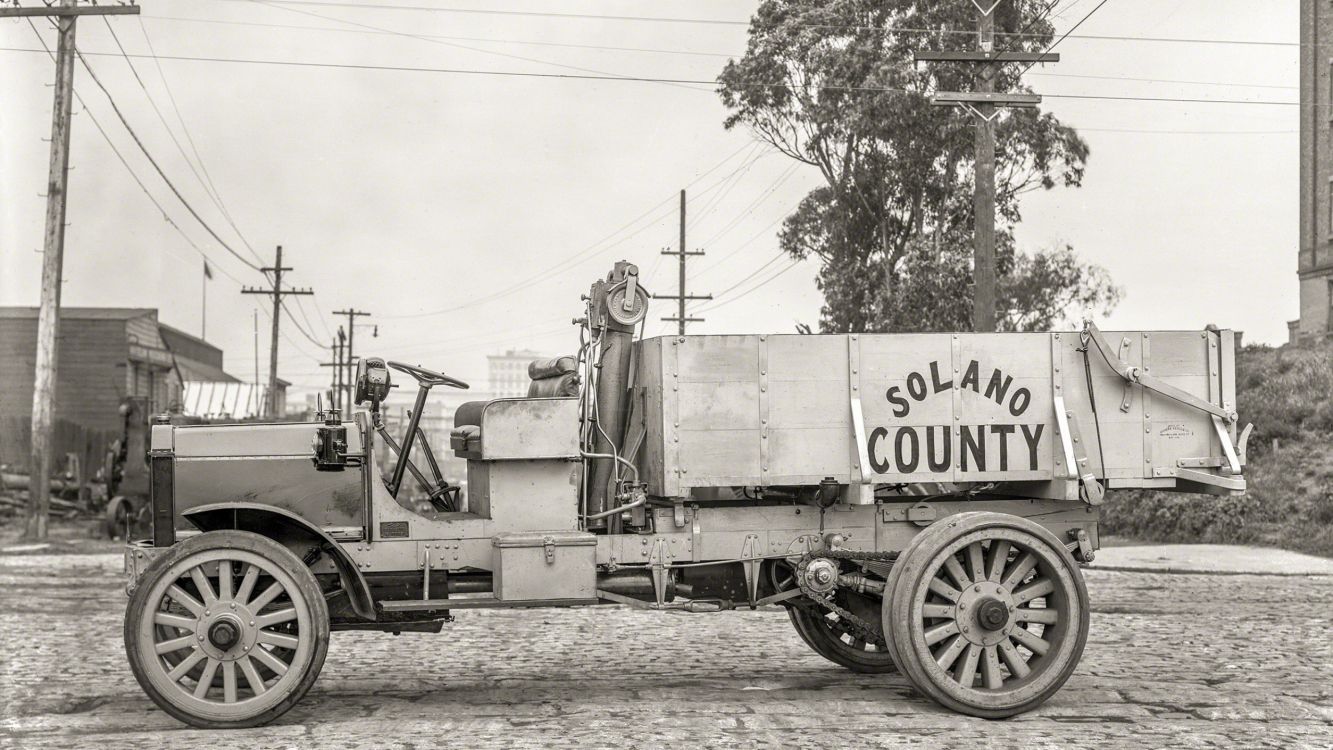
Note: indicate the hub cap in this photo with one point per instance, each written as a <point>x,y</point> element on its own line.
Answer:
<point>224,634</point>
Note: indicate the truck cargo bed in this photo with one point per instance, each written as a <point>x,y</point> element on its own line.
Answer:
<point>968,408</point>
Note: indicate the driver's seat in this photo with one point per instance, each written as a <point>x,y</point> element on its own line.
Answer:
<point>525,429</point>
<point>551,378</point>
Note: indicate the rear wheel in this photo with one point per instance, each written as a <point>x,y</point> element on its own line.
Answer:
<point>988,614</point>
<point>228,629</point>
<point>832,638</point>
<point>827,634</point>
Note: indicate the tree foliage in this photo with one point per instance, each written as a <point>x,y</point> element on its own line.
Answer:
<point>832,84</point>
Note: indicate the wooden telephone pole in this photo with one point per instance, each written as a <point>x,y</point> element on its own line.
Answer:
<point>277,293</point>
<point>336,386</point>
<point>53,254</point>
<point>680,318</point>
<point>983,103</point>
<point>349,355</point>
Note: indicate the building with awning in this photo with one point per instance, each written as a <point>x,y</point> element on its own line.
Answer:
<point>107,355</point>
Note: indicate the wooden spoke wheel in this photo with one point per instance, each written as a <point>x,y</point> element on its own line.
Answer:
<point>825,632</point>
<point>119,519</point>
<point>832,638</point>
<point>227,629</point>
<point>988,614</point>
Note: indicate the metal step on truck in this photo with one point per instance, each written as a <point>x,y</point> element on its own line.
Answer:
<point>918,503</point>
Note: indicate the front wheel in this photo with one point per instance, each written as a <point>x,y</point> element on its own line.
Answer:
<point>988,614</point>
<point>228,629</point>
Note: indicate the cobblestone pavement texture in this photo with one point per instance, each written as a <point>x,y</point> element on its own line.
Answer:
<point>1172,661</point>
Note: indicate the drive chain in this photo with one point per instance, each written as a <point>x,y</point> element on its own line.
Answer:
<point>866,631</point>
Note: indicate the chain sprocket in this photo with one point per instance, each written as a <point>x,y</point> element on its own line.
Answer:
<point>866,631</point>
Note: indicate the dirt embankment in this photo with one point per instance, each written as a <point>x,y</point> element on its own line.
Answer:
<point>1287,393</point>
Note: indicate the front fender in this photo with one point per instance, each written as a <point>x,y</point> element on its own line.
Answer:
<point>281,525</point>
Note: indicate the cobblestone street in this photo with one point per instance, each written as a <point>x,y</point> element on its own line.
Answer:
<point>1172,661</point>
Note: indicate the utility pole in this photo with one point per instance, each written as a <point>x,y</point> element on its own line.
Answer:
<point>254,315</point>
<point>681,298</point>
<point>349,359</point>
<point>983,103</point>
<point>336,394</point>
<point>277,293</point>
<point>53,252</point>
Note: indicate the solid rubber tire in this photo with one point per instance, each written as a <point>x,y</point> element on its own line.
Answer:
<point>229,539</point>
<point>909,569</point>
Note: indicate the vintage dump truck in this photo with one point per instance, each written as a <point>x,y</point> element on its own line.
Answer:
<point>917,503</point>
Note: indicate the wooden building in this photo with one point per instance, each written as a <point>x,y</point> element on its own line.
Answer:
<point>104,356</point>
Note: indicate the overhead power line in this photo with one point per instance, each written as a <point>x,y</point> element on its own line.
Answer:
<point>751,290</point>
<point>492,40</point>
<point>170,133</point>
<point>1194,82</point>
<point>1071,30</point>
<point>587,252</point>
<point>438,41</point>
<point>135,136</point>
<point>305,330</point>
<point>655,51</point>
<point>745,22</point>
<point>134,175</point>
<point>635,79</point>
<point>189,138</point>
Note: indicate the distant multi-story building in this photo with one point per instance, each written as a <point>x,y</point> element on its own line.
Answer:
<point>1315,266</point>
<point>508,372</point>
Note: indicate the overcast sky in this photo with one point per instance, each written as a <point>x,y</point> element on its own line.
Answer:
<point>469,211</point>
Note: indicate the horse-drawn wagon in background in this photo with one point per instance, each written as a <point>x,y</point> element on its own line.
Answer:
<point>917,502</point>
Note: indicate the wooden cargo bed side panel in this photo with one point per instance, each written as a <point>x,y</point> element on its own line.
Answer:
<point>1181,358</point>
<point>1004,405</point>
<point>907,400</point>
<point>1121,431</point>
<point>778,409</point>
<point>717,409</point>
<point>808,411</point>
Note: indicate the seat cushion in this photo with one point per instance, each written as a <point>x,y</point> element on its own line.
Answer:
<point>565,385</point>
<point>541,369</point>
<point>466,441</point>
<point>469,413</point>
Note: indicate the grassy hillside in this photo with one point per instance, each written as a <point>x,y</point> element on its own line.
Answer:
<point>1288,394</point>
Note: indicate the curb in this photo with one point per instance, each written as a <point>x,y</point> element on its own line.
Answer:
<point>1189,572</point>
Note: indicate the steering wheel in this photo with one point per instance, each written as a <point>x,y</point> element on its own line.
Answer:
<point>427,378</point>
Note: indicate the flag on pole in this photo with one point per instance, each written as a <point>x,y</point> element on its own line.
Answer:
<point>208,272</point>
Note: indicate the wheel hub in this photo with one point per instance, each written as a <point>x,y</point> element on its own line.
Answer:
<point>984,612</point>
<point>229,634</point>
<point>821,575</point>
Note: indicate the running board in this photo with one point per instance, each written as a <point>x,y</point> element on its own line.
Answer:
<point>441,605</point>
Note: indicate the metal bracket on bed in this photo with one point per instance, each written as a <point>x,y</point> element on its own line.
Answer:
<point>1139,375</point>
<point>1076,455</point>
<point>1128,398</point>
<point>864,492</point>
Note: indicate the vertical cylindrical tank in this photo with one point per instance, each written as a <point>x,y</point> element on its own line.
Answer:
<point>617,305</point>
